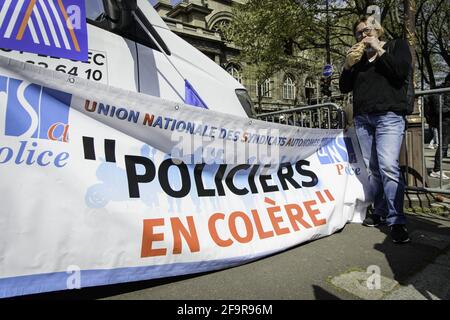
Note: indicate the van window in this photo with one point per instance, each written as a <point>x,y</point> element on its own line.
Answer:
<point>246,102</point>
<point>94,9</point>
<point>96,15</point>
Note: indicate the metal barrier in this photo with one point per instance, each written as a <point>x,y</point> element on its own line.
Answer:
<point>332,116</point>
<point>421,94</point>
<point>325,116</point>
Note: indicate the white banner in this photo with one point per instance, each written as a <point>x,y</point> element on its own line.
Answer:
<point>101,185</point>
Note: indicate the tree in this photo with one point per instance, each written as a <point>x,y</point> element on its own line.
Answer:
<point>267,31</point>
<point>292,34</point>
<point>432,21</point>
<point>286,34</point>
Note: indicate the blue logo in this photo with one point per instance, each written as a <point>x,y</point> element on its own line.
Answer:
<point>335,150</point>
<point>51,27</point>
<point>33,111</point>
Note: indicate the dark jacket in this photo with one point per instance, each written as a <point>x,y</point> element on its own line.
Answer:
<point>431,110</point>
<point>379,86</point>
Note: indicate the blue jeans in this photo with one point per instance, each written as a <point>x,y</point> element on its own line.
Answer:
<point>435,139</point>
<point>380,138</point>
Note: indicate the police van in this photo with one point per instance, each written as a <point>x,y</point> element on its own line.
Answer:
<point>132,48</point>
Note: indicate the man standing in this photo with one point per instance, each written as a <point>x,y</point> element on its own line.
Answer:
<point>431,113</point>
<point>377,74</point>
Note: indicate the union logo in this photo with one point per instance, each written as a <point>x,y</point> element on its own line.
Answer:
<point>336,150</point>
<point>33,111</point>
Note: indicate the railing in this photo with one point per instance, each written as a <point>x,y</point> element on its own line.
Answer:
<point>325,116</point>
<point>331,115</point>
<point>421,94</point>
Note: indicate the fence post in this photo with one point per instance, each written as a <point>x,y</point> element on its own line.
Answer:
<point>411,155</point>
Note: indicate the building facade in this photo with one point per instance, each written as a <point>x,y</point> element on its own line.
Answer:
<point>200,22</point>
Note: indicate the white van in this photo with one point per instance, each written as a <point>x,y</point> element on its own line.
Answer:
<point>123,54</point>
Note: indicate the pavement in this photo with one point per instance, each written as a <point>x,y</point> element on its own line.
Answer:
<point>356,263</point>
<point>429,162</point>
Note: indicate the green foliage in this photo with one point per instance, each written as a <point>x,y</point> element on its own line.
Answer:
<point>263,28</point>
<point>286,34</point>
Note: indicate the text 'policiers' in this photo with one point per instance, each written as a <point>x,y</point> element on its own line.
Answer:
<point>224,173</point>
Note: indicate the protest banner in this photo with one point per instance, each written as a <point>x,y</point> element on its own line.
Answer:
<point>100,185</point>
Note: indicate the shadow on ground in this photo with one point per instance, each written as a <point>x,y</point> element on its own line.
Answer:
<point>429,239</point>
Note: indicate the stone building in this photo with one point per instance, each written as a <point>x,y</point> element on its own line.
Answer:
<point>200,22</point>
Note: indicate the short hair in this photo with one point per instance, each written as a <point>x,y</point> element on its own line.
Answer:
<point>375,24</point>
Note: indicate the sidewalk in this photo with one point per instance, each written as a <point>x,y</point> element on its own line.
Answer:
<point>429,162</point>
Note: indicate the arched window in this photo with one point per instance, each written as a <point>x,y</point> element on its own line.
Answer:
<point>309,89</point>
<point>221,27</point>
<point>235,71</point>
<point>288,88</point>
<point>309,83</point>
<point>266,91</point>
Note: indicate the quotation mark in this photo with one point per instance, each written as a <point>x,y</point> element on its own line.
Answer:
<point>327,194</point>
<point>89,149</point>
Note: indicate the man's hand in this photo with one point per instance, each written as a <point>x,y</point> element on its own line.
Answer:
<point>374,43</point>
<point>354,54</point>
